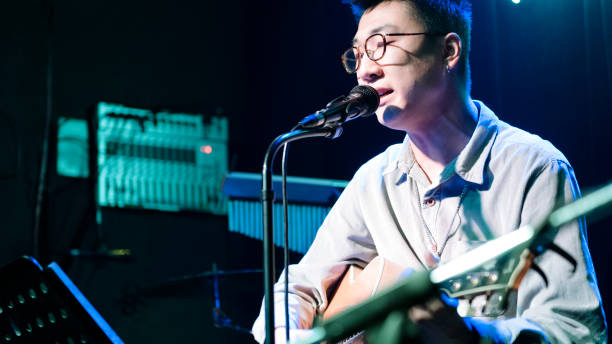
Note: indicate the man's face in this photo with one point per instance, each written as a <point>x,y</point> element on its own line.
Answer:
<point>410,76</point>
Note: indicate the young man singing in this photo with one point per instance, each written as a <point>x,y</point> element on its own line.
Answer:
<point>460,178</point>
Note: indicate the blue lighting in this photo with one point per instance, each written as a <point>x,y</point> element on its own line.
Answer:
<point>516,1</point>
<point>93,313</point>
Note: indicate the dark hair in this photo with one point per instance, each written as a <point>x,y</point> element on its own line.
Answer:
<point>436,15</point>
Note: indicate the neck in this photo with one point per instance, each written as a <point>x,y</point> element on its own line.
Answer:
<point>439,140</point>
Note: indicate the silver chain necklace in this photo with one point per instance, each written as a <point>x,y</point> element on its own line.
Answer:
<point>434,245</point>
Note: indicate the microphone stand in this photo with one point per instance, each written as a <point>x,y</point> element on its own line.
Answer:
<point>267,200</point>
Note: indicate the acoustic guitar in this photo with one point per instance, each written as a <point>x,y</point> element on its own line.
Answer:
<point>485,280</point>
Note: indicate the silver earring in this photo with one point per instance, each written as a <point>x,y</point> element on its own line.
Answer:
<point>447,69</point>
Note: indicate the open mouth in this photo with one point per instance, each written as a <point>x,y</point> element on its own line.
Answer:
<point>384,92</point>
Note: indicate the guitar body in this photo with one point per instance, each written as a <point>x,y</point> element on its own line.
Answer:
<point>359,284</point>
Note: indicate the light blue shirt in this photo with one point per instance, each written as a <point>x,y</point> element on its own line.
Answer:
<point>503,179</point>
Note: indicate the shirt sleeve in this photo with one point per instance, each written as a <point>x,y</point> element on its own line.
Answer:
<point>568,309</point>
<point>343,238</point>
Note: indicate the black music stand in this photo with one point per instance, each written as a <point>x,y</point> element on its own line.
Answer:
<point>42,305</point>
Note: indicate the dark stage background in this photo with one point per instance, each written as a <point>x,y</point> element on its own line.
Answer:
<point>542,65</point>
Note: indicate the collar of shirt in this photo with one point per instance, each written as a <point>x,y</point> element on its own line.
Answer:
<point>470,165</point>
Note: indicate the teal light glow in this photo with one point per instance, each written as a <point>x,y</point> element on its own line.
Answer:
<point>516,1</point>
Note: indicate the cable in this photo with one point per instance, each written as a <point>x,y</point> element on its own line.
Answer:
<point>286,227</point>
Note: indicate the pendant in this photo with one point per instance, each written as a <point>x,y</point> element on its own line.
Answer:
<point>432,260</point>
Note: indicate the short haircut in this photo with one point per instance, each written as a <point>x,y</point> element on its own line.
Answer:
<point>443,16</point>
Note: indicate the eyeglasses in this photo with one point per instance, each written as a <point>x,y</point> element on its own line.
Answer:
<point>375,47</point>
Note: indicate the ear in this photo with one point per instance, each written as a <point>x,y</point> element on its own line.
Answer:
<point>452,50</point>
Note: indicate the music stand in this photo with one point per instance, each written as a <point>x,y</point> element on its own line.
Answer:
<point>42,305</point>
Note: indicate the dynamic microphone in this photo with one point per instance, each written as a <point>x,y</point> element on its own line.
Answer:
<point>362,101</point>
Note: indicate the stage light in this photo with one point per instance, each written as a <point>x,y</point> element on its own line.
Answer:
<point>516,1</point>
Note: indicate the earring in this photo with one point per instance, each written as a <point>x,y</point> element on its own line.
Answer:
<point>447,69</point>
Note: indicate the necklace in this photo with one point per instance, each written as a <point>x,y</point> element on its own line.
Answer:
<point>434,245</point>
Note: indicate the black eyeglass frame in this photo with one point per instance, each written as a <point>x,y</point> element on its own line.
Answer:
<point>383,35</point>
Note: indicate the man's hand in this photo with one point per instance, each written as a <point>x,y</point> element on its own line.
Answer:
<point>439,322</point>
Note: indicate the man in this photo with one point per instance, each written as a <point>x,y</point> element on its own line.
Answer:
<point>461,177</point>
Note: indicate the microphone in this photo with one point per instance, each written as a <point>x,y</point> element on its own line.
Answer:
<point>362,101</point>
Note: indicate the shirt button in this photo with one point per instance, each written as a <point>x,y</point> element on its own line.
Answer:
<point>430,202</point>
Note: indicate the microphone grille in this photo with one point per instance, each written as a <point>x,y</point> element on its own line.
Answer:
<point>369,98</point>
